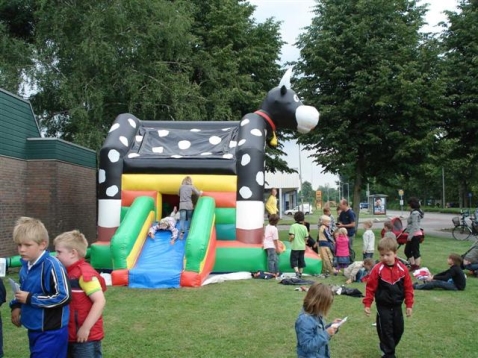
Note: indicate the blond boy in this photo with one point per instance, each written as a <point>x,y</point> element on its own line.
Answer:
<point>41,304</point>
<point>368,240</point>
<point>85,328</point>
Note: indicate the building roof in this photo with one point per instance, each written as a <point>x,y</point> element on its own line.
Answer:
<point>282,181</point>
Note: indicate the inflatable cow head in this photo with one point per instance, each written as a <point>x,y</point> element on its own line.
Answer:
<point>284,108</point>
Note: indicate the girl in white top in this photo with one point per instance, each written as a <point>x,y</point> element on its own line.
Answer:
<point>368,240</point>
<point>271,244</point>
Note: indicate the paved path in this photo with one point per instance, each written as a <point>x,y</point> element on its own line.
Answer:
<point>434,224</point>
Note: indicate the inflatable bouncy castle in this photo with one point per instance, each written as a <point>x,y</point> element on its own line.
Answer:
<point>142,165</point>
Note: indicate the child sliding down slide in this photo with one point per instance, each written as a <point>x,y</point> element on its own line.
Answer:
<point>167,223</point>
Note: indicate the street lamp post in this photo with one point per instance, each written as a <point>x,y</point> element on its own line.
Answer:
<point>300,180</point>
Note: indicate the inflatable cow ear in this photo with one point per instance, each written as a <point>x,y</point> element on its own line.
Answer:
<point>285,81</point>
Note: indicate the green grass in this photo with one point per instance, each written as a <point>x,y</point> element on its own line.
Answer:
<point>255,318</point>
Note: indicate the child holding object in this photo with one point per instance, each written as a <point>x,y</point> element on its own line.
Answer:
<point>271,244</point>
<point>313,335</point>
<point>85,329</point>
<point>368,240</point>
<point>389,284</point>
<point>42,303</point>
<point>452,279</point>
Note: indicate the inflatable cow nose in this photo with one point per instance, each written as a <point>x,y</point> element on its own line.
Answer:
<point>307,118</point>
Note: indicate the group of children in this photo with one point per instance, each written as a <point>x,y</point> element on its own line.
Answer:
<point>388,284</point>
<point>60,299</point>
<point>333,248</point>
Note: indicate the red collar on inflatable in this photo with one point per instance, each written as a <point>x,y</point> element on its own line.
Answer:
<point>267,118</point>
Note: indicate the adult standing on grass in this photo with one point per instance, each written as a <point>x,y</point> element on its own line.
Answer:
<point>297,236</point>
<point>186,191</point>
<point>271,203</point>
<point>347,220</point>
<point>412,247</point>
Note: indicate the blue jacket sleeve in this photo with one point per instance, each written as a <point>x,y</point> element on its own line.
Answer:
<point>309,335</point>
<point>56,286</point>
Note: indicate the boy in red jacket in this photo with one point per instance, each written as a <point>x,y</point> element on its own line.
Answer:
<point>85,328</point>
<point>389,284</point>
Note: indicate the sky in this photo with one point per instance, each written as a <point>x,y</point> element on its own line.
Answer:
<point>295,15</point>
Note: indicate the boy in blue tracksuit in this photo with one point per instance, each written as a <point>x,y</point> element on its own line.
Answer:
<point>41,304</point>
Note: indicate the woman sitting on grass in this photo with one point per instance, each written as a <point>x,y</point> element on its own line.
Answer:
<point>452,279</point>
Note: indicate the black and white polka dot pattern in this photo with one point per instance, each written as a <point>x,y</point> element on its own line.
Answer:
<point>226,148</point>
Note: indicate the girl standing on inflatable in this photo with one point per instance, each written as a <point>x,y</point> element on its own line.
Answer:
<point>186,190</point>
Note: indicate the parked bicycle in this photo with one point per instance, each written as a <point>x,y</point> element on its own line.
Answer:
<point>463,230</point>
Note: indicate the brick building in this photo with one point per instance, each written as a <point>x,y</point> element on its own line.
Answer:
<point>46,178</point>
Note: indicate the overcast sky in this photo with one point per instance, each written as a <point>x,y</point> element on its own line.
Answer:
<point>295,15</point>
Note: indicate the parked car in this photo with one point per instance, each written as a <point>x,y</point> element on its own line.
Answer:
<point>305,208</point>
<point>363,206</point>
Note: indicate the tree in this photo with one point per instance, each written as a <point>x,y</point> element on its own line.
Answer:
<point>160,60</point>
<point>374,78</point>
<point>460,41</point>
<point>16,36</point>
<point>307,194</point>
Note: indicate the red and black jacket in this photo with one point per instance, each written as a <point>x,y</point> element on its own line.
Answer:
<point>389,285</point>
<point>81,304</point>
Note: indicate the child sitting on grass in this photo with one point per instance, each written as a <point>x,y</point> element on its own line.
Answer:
<point>452,279</point>
<point>358,270</point>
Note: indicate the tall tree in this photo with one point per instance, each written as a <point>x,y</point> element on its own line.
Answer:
<point>16,39</point>
<point>461,72</point>
<point>373,76</point>
<point>158,59</point>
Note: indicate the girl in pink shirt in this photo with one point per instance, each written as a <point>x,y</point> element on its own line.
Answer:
<point>342,252</point>
<point>271,244</point>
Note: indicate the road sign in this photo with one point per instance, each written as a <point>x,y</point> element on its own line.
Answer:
<point>400,192</point>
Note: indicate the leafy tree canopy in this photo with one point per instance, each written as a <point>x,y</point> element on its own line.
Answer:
<point>374,78</point>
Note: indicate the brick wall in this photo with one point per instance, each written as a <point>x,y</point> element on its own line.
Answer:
<point>61,195</point>
<point>12,200</point>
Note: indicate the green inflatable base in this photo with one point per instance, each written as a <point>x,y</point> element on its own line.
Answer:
<point>100,256</point>
<point>233,259</point>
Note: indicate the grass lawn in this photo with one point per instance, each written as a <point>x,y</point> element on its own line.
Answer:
<point>255,318</point>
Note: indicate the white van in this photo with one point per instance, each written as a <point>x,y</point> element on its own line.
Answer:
<point>305,208</point>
